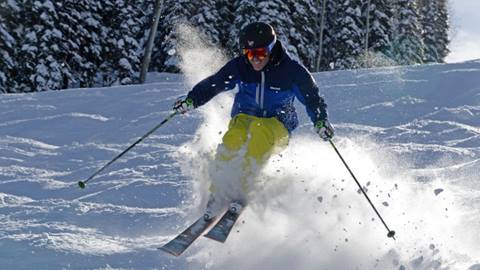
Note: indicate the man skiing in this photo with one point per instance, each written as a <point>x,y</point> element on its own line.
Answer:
<point>263,113</point>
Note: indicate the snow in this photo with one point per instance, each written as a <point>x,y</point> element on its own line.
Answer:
<point>13,4</point>
<point>410,134</point>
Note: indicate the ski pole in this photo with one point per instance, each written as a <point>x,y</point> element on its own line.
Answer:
<point>391,234</point>
<point>82,184</point>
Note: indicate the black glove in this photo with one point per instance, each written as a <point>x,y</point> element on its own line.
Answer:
<point>183,105</point>
<point>324,129</point>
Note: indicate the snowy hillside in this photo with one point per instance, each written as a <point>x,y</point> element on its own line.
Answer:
<point>410,134</point>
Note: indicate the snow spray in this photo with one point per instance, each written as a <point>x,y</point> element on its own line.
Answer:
<point>305,213</point>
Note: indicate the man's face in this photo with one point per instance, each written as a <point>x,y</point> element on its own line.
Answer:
<point>258,64</point>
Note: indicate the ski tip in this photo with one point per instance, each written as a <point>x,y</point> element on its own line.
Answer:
<point>215,238</point>
<point>169,251</point>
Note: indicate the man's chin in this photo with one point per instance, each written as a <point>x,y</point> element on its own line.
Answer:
<point>257,67</point>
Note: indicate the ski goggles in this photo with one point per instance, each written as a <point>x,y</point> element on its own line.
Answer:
<point>259,53</point>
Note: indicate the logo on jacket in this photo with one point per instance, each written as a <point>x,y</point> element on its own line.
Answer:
<point>250,43</point>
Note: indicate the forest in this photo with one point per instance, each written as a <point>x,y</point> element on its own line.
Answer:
<point>61,44</point>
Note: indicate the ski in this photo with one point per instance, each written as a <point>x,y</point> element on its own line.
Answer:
<point>180,243</point>
<point>222,229</point>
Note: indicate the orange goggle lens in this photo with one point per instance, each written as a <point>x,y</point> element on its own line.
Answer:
<point>259,53</point>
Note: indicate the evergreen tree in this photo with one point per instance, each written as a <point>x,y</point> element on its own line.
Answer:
<point>80,22</point>
<point>303,32</point>
<point>42,56</point>
<point>175,12</point>
<point>407,47</point>
<point>442,27</point>
<point>380,26</point>
<point>7,45</point>
<point>348,37</point>
<point>225,24</point>
<point>207,19</point>
<point>329,49</point>
<point>428,15</point>
<point>60,44</point>
<point>121,30</point>
<point>132,30</point>
<point>6,61</point>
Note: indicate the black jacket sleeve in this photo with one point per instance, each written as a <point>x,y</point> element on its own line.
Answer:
<point>225,79</point>
<point>308,94</point>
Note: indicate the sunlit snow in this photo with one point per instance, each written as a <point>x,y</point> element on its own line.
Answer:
<point>410,134</point>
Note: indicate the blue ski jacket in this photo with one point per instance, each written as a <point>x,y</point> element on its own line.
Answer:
<point>267,93</point>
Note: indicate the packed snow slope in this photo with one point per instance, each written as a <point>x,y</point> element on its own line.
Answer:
<point>410,134</point>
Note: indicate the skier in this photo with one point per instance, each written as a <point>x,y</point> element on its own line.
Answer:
<point>263,113</point>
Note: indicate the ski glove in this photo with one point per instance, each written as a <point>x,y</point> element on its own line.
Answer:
<point>183,105</point>
<point>324,129</point>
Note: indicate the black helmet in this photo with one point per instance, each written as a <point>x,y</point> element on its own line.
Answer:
<point>257,35</point>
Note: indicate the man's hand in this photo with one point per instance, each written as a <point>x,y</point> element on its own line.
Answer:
<point>183,105</point>
<point>324,129</point>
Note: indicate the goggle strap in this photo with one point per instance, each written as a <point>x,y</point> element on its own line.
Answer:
<point>271,45</point>
<point>253,52</point>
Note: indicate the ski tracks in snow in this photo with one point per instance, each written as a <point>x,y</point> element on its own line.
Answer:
<point>50,141</point>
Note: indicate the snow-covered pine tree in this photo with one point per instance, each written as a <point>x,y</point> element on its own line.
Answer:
<point>407,46</point>
<point>41,59</point>
<point>428,19</point>
<point>348,35</point>
<point>303,32</point>
<point>132,31</point>
<point>442,27</point>
<point>329,50</point>
<point>121,30</point>
<point>7,45</point>
<point>165,56</point>
<point>80,22</point>
<point>225,21</point>
<point>6,60</point>
<point>207,20</point>
<point>380,30</point>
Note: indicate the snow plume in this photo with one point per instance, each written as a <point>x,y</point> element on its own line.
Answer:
<point>308,213</point>
<point>198,156</point>
<point>199,58</point>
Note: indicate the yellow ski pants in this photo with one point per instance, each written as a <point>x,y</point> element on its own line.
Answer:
<point>263,136</point>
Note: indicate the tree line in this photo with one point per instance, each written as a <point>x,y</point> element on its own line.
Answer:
<point>59,44</point>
